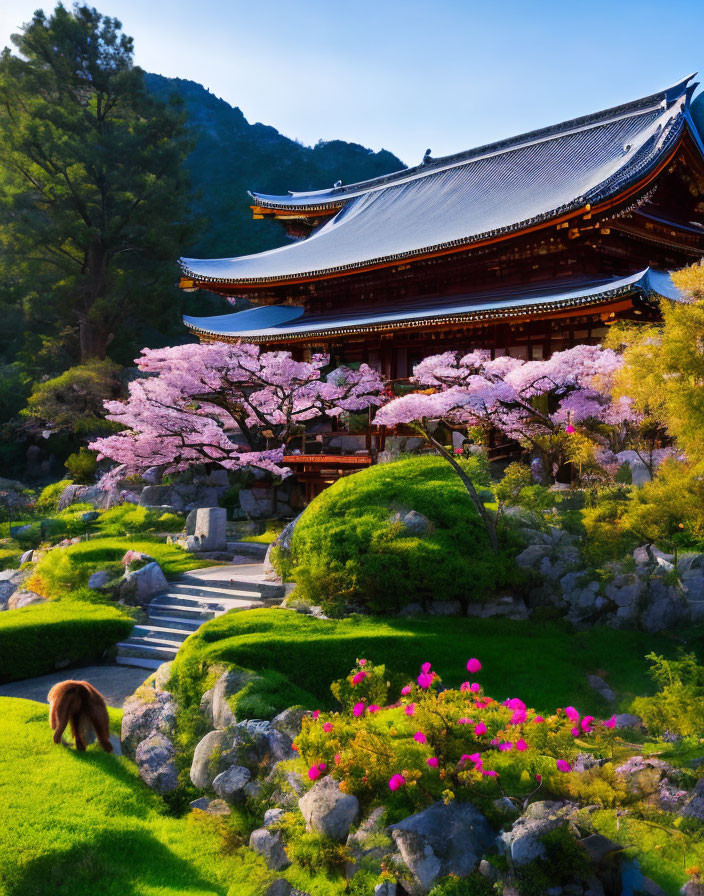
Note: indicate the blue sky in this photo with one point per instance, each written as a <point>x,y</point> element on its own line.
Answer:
<point>405,76</point>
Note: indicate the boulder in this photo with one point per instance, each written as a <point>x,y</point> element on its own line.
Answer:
<point>26,557</point>
<point>445,608</point>
<point>24,599</point>
<point>155,495</point>
<point>280,745</point>
<point>257,503</point>
<point>627,720</point>
<point>692,581</point>
<point>155,761</point>
<point>214,703</point>
<point>441,840</point>
<point>211,757</point>
<point>508,606</point>
<point>531,557</point>
<point>161,675</point>
<point>270,845</point>
<point>597,683</point>
<point>279,887</point>
<point>141,585</point>
<point>191,522</point>
<point>145,713</point>
<point>212,807</point>
<point>666,608</point>
<point>273,816</point>
<point>385,888</point>
<point>230,784</point>
<point>625,590</point>
<point>643,774</point>
<point>290,721</point>
<point>369,842</point>
<point>289,786</point>
<point>523,844</point>
<point>415,524</point>
<point>90,516</point>
<point>99,579</point>
<point>328,810</point>
<point>211,528</point>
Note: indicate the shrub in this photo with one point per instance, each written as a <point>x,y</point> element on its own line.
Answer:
<point>82,465</point>
<point>679,706</point>
<point>36,639</point>
<point>348,549</point>
<point>516,477</point>
<point>129,519</point>
<point>474,885</point>
<point>48,500</point>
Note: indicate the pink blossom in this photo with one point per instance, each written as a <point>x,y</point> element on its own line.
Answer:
<point>521,745</point>
<point>359,677</point>
<point>425,668</point>
<point>465,686</point>
<point>610,723</point>
<point>475,687</point>
<point>515,703</point>
<point>538,719</point>
<point>587,723</point>
<point>338,759</point>
<point>420,737</point>
<point>373,707</point>
<point>563,766</point>
<point>480,728</point>
<point>396,781</point>
<point>315,714</point>
<point>475,757</point>
<point>539,779</point>
<point>315,771</point>
<point>575,732</point>
<point>425,679</point>
<point>358,709</point>
<point>406,689</point>
<point>432,761</point>
<point>361,662</point>
<point>572,714</point>
<point>327,727</point>
<point>518,718</point>
<point>490,773</point>
<point>410,709</point>
<point>474,666</point>
<point>464,721</point>
<point>506,746</point>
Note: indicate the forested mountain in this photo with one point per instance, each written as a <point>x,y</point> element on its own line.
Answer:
<point>232,156</point>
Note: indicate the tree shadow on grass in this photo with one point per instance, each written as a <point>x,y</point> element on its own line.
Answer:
<point>114,863</point>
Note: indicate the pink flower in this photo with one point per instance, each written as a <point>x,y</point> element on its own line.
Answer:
<point>338,759</point>
<point>328,726</point>
<point>571,713</point>
<point>476,758</point>
<point>518,718</point>
<point>420,737</point>
<point>539,779</point>
<point>563,766</point>
<point>538,719</point>
<point>480,728</point>
<point>521,745</point>
<point>575,732</point>
<point>358,709</point>
<point>396,781</point>
<point>586,724</point>
<point>410,709</point>
<point>425,679</point>
<point>474,666</point>
<point>474,687</point>
<point>406,690</point>
<point>432,761</point>
<point>515,703</point>
<point>506,746</point>
<point>464,721</point>
<point>361,662</point>
<point>569,428</point>
<point>315,771</point>
<point>315,714</point>
<point>359,677</point>
<point>490,773</point>
<point>425,668</point>
<point>465,686</point>
<point>373,707</point>
<point>610,723</point>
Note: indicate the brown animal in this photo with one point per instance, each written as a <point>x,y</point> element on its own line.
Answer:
<point>80,705</point>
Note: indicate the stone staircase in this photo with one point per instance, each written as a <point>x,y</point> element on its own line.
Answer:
<point>190,601</point>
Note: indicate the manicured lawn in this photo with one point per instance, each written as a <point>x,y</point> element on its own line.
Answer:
<point>79,825</point>
<point>543,663</point>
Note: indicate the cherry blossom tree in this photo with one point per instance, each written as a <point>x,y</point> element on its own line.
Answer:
<point>537,403</point>
<point>230,405</point>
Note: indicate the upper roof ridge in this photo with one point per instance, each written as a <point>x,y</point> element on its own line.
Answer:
<point>665,97</point>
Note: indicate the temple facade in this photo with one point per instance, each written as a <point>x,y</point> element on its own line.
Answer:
<point>526,246</point>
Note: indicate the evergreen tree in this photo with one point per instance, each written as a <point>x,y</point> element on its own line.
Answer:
<point>92,190</point>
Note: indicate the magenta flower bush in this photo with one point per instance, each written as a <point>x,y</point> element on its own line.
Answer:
<point>439,743</point>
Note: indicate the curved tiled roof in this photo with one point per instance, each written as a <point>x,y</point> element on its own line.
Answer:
<point>459,200</point>
<point>273,323</point>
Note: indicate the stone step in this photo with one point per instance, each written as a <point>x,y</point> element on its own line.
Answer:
<point>182,624</point>
<point>141,662</point>
<point>140,647</point>
<point>216,589</point>
<point>248,548</point>
<point>187,612</point>
<point>182,600</point>
<point>152,641</point>
<point>154,632</point>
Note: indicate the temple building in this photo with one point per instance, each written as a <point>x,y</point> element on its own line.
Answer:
<point>527,246</point>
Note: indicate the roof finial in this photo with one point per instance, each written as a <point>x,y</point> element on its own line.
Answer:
<point>426,157</point>
<point>337,184</point>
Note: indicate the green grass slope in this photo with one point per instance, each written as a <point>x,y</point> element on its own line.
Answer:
<point>84,824</point>
<point>544,664</point>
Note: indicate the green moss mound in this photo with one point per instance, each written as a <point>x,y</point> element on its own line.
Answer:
<point>348,550</point>
<point>35,638</point>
